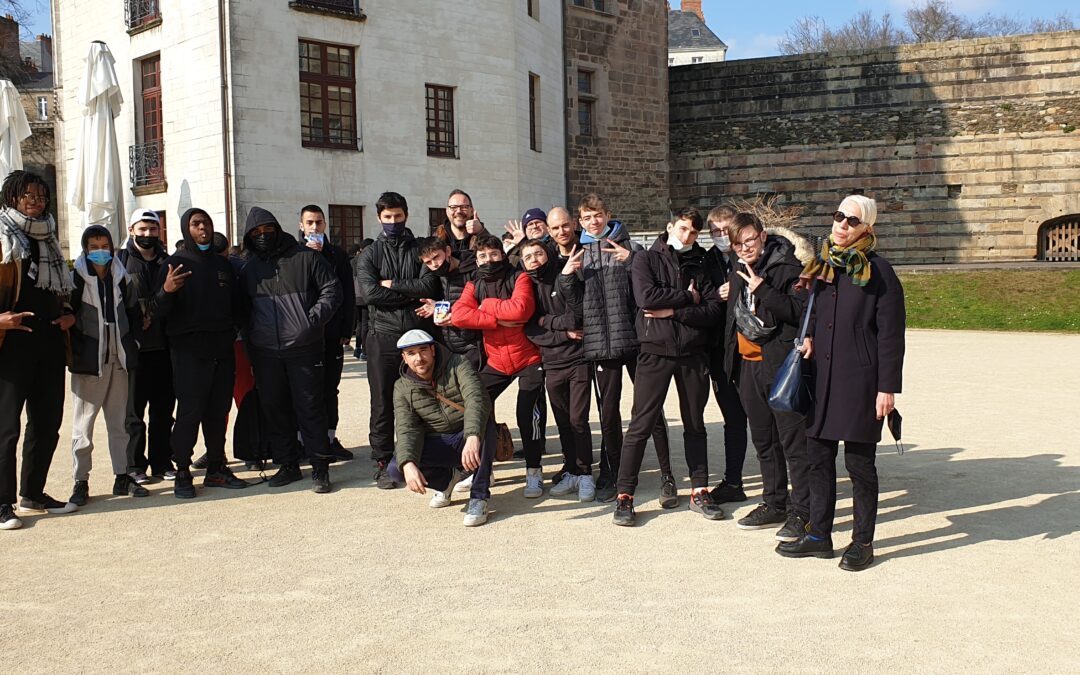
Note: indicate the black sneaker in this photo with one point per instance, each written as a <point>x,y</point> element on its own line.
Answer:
<point>320,480</point>
<point>8,519</point>
<point>80,494</point>
<point>857,557</point>
<point>167,474</point>
<point>701,502</point>
<point>125,485</point>
<point>669,493</point>
<point>806,547</point>
<point>184,485</point>
<point>223,477</point>
<point>606,491</point>
<point>288,473</point>
<point>339,452</point>
<point>762,517</point>
<point>47,504</point>
<point>794,527</point>
<point>201,462</point>
<point>726,492</point>
<point>624,511</point>
<point>383,479</point>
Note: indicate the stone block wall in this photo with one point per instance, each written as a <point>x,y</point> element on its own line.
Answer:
<point>967,146</point>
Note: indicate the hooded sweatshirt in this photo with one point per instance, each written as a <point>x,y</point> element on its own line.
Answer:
<point>105,312</point>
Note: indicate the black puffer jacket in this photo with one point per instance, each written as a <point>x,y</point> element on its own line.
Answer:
<point>392,311</point>
<point>558,309</point>
<point>341,324</point>
<point>661,281</point>
<point>778,303</point>
<point>718,266</point>
<point>143,284</point>
<point>292,293</point>
<point>609,299</point>
<point>459,340</point>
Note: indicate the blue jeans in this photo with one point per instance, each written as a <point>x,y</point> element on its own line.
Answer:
<point>442,453</point>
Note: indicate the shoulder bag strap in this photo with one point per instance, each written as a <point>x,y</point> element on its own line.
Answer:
<point>455,406</point>
<point>809,310</point>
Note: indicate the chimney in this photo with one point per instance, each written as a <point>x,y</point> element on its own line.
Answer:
<point>693,6</point>
<point>45,44</point>
<point>9,42</point>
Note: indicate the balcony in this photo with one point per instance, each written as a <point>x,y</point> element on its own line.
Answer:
<point>139,15</point>
<point>146,163</point>
<point>345,9</point>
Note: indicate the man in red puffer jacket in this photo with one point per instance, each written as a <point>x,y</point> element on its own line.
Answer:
<point>499,302</point>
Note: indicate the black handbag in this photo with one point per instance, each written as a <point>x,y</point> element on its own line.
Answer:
<point>791,387</point>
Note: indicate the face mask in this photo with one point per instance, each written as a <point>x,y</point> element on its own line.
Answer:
<point>263,243</point>
<point>444,269</point>
<point>539,272</point>
<point>204,247</point>
<point>145,242</point>
<point>393,230</point>
<point>492,271</point>
<point>674,242</point>
<point>99,257</point>
<point>722,242</point>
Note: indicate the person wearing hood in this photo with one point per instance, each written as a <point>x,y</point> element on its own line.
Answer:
<point>393,284</point>
<point>35,285</point>
<point>200,305</point>
<point>609,341</point>
<point>103,359</point>
<point>678,309</point>
<point>293,294</point>
<point>462,224</point>
<point>454,269</point>
<point>338,332</point>
<point>764,312</point>
<point>148,444</point>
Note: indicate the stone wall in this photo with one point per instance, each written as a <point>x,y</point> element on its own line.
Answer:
<point>626,158</point>
<point>967,146</point>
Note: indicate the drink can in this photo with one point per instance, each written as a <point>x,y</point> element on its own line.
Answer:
<point>442,309</point>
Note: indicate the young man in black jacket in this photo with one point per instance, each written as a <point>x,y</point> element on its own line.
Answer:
<point>556,329</point>
<point>678,309</point>
<point>338,332</point>
<point>148,445</point>
<point>454,269</point>
<point>292,293</point>
<point>200,304</point>
<point>392,285</point>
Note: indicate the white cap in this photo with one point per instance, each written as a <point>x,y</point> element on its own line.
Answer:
<point>139,215</point>
<point>415,338</point>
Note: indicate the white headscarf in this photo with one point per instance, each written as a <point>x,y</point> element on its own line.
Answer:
<point>867,206</point>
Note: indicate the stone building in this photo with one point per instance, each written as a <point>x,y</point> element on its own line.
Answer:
<point>971,147</point>
<point>690,41</point>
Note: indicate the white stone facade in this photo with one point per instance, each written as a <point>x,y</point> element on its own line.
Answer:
<point>690,57</point>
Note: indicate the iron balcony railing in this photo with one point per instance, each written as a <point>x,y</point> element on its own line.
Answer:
<point>147,164</point>
<point>344,6</point>
<point>140,12</point>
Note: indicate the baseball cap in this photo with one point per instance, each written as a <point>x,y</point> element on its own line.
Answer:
<point>139,215</point>
<point>415,338</point>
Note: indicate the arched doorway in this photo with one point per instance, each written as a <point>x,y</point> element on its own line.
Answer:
<point>1059,239</point>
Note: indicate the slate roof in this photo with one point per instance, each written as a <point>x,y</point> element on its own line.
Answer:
<point>681,27</point>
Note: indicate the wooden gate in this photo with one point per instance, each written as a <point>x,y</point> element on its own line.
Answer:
<point>1059,239</point>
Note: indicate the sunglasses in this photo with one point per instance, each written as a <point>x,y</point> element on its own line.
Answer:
<point>852,221</point>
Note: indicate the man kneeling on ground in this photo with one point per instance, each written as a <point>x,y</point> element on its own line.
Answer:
<point>443,424</point>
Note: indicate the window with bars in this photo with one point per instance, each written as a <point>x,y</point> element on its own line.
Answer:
<point>327,96</point>
<point>534,111</point>
<point>346,225</point>
<point>441,140</point>
<point>586,103</point>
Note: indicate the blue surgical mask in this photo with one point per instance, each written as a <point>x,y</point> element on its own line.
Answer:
<point>100,257</point>
<point>204,247</point>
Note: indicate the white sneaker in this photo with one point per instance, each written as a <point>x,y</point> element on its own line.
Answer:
<point>439,500</point>
<point>464,485</point>
<point>8,519</point>
<point>567,485</point>
<point>534,483</point>
<point>476,513</point>
<point>586,489</point>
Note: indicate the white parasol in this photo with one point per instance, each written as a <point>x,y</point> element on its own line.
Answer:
<point>13,129</point>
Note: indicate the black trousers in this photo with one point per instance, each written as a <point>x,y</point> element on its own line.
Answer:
<point>31,375</point>
<point>530,381</point>
<point>383,370</point>
<point>204,387</point>
<point>568,393</point>
<point>607,377</point>
<point>859,459</point>
<point>780,441</point>
<point>290,398</point>
<point>333,363</point>
<point>361,327</point>
<point>654,375</point>
<point>151,386</point>
<point>727,397</point>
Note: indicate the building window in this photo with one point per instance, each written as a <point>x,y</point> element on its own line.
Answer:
<point>347,7</point>
<point>671,61</point>
<point>327,96</point>
<point>147,159</point>
<point>346,225</point>
<point>586,103</point>
<point>440,121</point>
<point>697,59</point>
<point>598,5</point>
<point>531,8</point>
<point>139,13</point>
<point>695,32</point>
<point>436,217</point>
<point>534,111</point>
<point>42,108</point>
<point>163,232</point>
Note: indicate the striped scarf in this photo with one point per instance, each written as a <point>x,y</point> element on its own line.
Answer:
<point>16,231</point>
<point>852,258</point>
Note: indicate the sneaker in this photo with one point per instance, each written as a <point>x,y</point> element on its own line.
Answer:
<point>139,477</point>
<point>339,452</point>
<point>170,474</point>
<point>125,485</point>
<point>701,502</point>
<point>558,477</point>
<point>47,504</point>
<point>605,489</point>
<point>794,527</point>
<point>80,494</point>
<point>224,478</point>
<point>255,466</point>
<point>624,510</point>
<point>534,483</point>
<point>763,516</point>
<point>476,513</point>
<point>568,484</point>
<point>201,462</point>
<point>320,480</point>
<point>288,473</point>
<point>383,479</point>
<point>726,492</point>
<point>669,493</point>
<point>586,489</point>
<point>465,484</point>
<point>8,519</point>
<point>184,485</point>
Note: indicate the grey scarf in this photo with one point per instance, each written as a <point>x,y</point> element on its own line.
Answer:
<point>16,231</point>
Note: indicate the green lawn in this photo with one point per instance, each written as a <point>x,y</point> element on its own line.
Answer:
<point>994,300</point>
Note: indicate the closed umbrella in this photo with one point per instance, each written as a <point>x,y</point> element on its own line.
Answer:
<point>13,129</point>
<point>97,185</point>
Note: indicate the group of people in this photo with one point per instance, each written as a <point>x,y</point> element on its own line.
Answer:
<point>562,304</point>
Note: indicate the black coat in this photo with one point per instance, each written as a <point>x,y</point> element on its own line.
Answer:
<point>718,267</point>
<point>558,309</point>
<point>341,324</point>
<point>144,279</point>
<point>609,299</point>
<point>459,340</point>
<point>392,311</point>
<point>858,351</point>
<point>661,279</point>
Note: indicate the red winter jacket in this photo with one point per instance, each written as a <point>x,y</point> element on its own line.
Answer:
<point>507,349</point>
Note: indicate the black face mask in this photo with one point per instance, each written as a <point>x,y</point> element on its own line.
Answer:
<point>443,270</point>
<point>539,272</point>
<point>145,243</point>
<point>393,230</point>
<point>492,271</point>
<point>264,243</point>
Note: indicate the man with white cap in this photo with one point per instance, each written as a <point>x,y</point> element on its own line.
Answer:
<point>443,424</point>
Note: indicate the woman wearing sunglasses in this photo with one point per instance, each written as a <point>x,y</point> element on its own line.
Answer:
<point>858,353</point>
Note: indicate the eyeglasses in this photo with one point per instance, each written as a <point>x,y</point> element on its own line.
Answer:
<point>852,221</point>
<point>31,197</point>
<point>459,207</point>
<point>746,242</point>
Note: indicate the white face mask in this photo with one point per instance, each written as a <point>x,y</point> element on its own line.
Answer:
<point>674,242</point>
<point>722,242</point>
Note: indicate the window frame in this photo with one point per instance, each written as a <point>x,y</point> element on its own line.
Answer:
<point>324,80</point>
<point>535,102</point>
<point>342,219</point>
<point>586,96</point>
<point>435,146</point>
